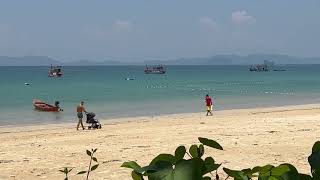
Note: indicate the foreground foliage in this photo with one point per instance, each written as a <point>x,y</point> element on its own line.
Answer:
<point>196,167</point>
<point>91,168</point>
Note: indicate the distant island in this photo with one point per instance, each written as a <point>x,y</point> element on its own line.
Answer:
<point>213,60</point>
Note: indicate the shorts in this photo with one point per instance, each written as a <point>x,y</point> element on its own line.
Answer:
<point>80,115</point>
<point>209,108</point>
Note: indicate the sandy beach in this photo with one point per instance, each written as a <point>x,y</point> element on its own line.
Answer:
<point>249,136</point>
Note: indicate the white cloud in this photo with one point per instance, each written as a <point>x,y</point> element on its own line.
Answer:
<point>122,25</point>
<point>208,22</point>
<point>242,17</point>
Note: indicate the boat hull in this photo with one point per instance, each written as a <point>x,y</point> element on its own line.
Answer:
<point>54,74</point>
<point>154,72</point>
<point>41,106</point>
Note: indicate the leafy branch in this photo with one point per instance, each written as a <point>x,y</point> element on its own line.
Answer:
<point>92,158</point>
<point>91,168</point>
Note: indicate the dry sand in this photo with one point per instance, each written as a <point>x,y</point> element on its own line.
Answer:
<point>249,136</point>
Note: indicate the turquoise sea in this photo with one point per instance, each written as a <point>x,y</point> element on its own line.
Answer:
<point>107,93</point>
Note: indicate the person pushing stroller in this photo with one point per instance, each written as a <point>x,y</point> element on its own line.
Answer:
<point>80,110</point>
<point>94,123</point>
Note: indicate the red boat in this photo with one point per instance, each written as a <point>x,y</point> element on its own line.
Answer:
<point>42,106</point>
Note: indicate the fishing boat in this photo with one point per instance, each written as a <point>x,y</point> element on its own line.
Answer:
<point>266,66</point>
<point>259,68</point>
<point>55,71</point>
<point>42,106</point>
<point>155,69</point>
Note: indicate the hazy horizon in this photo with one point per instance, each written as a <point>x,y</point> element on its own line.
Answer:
<point>159,30</point>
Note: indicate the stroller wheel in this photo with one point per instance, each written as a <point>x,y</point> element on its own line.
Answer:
<point>100,126</point>
<point>89,127</point>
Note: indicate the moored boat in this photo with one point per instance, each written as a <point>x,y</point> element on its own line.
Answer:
<point>155,69</point>
<point>55,71</point>
<point>259,68</point>
<point>266,66</point>
<point>42,106</point>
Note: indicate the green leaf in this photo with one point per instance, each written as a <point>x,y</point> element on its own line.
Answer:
<point>82,172</point>
<point>61,171</point>
<point>194,151</point>
<point>274,178</point>
<point>136,176</point>
<point>210,143</point>
<point>88,152</point>
<point>132,165</point>
<point>70,170</point>
<point>255,169</point>
<point>184,170</point>
<point>237,175</point>
<point>164,157</point>
<point>291,174</point>
<point>94,167</point>
<point>279,170</point>
<point>314,161</point>
<point>188,169</point>
<point>201,150</point>
<point>209,165</point>
<point>265,170</point>
<point>163,170</point>
<point>248,172</point>
<point>95,159</point>
<point>149,169</point>
<point>316,147</point>
<point>95,150</point>
<point>305,177</point>
<point>180,152</point>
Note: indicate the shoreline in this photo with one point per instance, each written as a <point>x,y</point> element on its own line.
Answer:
<point>124,117</point>
<point>250,137</point>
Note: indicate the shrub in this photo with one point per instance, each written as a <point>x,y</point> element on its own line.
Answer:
<point>176,167</point>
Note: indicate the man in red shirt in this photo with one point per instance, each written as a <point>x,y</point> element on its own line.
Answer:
<point>209,105</point>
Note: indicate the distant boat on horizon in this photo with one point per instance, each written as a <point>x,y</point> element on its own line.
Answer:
<point>266,66</point>
<point>55,71</point>
<point>159,69</point>
<point>259,68</point>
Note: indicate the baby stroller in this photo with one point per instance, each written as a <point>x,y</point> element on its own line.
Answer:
<point>95,124</point>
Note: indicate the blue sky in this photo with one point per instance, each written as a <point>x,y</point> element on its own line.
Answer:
<point>163,29</point>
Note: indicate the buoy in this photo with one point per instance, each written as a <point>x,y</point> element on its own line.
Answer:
<point>27,84</point>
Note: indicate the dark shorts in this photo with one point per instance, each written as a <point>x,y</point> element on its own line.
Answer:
<point>80,115</point>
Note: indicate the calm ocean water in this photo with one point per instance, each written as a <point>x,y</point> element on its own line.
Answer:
<point>107,93</point>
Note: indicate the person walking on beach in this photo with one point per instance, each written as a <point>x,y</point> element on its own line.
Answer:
<point>80,110</point>
<point>209,105</point>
